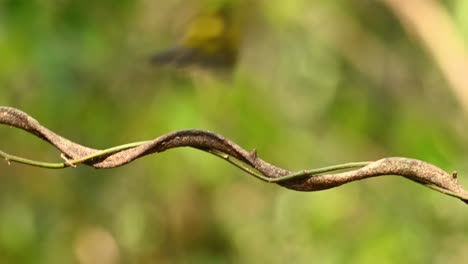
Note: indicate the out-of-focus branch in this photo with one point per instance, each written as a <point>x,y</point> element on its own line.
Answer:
<point>431,23</point>
<point>305,180</point>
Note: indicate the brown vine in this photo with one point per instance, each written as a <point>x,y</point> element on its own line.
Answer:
<point>306,180</point>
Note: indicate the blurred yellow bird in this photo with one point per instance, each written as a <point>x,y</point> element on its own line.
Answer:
<point>211,40</point>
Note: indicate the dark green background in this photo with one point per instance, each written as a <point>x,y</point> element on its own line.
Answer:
<point>81,69</point>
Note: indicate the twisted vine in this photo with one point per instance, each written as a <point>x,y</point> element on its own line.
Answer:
<point>306,180</point>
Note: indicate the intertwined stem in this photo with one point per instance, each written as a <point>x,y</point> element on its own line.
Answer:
<point>305,180</point>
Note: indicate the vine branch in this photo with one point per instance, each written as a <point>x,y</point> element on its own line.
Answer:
<point>305,180</point>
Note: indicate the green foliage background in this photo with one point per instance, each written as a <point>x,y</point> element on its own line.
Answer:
<point>81,69</point>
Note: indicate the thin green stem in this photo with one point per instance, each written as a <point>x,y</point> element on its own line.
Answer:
<point>232,160</point>
<point>61,165</point>
<point>11,158</point>
<point>315,172</point>
<point>444,191</point>
<point>106,152</point>
<point>294,175</point>
<point>238,164</point>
